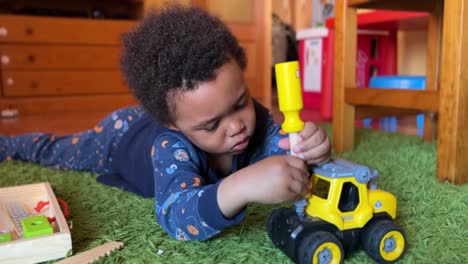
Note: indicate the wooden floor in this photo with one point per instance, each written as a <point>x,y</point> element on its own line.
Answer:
<point>68,123</point>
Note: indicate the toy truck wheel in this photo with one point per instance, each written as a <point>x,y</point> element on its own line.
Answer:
<point>384,241</point>
<point>277,221</point>
<point>320,247</point>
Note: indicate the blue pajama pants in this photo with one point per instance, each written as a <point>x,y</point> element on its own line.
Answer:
<point>90,150</point>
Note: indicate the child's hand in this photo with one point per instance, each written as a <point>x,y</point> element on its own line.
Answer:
<point>272,180</point>
<point>276,179</point>
<point>313,146</point>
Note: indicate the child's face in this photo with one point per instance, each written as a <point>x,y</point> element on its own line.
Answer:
<point>218,116</point>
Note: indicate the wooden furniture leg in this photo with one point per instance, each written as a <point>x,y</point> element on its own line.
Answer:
<point>434,36</point>
<point>452,147</point>
<point>344,75</point>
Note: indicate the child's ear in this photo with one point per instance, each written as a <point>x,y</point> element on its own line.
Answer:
<point>171,126</point>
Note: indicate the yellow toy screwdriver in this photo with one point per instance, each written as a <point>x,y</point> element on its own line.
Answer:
<point>288,82</point>
<point>290,99</point>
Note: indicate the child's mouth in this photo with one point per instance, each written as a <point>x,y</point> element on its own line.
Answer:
<point>242,144</point>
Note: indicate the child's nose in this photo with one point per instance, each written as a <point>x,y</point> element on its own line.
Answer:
<point>236,126</point>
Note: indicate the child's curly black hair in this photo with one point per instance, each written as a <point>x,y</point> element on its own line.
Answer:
<point>171,50</point>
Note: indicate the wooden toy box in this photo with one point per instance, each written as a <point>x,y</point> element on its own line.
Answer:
<point>36,249</point>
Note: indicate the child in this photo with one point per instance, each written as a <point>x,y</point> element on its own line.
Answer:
<point>200,144</point>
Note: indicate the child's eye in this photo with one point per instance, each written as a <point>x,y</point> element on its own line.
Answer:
<point>241,105</point>
<point>212,127</point>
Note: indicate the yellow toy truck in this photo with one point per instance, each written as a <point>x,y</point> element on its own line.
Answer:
<point>345,211</point>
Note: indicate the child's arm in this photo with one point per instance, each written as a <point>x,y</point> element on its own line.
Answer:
<point>272,180</point>
<point>186,203</point>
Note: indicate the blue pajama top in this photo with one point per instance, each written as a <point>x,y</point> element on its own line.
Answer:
<point>152,160</point>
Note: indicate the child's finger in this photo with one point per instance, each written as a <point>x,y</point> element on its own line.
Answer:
<point>315,140</point>
<point>284,143</point>
<point>318,153</point>
<point>319,160</point>
<point>299,188</point>
<point>298,164</point>
<point>309,129</point>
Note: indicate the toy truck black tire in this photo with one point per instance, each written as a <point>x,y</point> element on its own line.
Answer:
<point>384,241</point>
<point>278,228</point>
<point>320,247</point>
<point>295,239</point>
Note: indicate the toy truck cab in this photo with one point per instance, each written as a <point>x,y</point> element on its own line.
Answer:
<point>341,195</point>
<point>344,211</point>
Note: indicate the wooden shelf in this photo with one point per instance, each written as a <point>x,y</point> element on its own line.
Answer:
<point>389,20</point>
<point>70,66</point>
<point>398,98</point>
<point>91,9</point>
<point>425,5</point>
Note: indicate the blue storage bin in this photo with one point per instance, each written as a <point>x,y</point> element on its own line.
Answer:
<point>397,82</point>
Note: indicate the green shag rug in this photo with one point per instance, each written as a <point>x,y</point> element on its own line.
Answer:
<point>434,215</point>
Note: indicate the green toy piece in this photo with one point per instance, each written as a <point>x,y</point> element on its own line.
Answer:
<point>5,237</point>
<point>37,225</point>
